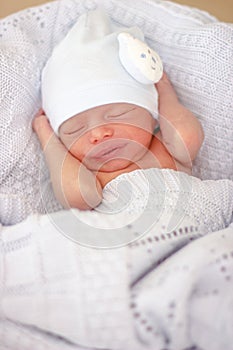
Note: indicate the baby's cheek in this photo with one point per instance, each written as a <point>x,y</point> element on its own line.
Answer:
<point>77,152</point>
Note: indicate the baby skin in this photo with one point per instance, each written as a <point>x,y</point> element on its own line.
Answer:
<point>99,144</point>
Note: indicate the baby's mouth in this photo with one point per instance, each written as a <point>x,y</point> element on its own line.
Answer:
<point>109,152</point>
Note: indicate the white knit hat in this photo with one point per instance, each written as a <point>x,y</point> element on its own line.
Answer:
<point>99,63</point>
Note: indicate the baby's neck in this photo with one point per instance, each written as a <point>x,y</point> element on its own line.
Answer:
<point>105,177</point>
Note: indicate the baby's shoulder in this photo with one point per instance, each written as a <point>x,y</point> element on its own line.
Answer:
<point>164,158</point>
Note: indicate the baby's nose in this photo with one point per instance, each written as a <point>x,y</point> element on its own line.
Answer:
<point>100,133</point>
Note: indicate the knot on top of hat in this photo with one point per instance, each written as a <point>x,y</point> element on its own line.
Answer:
<point>139,60</point>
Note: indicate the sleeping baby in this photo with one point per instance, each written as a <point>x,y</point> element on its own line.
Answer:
<point>108,108</point>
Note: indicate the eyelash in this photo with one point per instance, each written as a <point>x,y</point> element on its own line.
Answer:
<point>120,115</point>
<point>115,116</point>
<point>76,131</point>
<point>82,128</point>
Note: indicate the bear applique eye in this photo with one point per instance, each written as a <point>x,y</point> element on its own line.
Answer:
<point>143,55</point>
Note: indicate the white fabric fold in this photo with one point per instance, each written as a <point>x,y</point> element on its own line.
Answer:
<point>197,53</point>
<point>150,289</point>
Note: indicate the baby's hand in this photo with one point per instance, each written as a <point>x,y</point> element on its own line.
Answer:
<point>42,128</point>
<point>39,120</point>
<point>168,100</point>
<point>48,139</point>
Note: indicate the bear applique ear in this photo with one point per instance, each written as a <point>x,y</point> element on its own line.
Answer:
<point>140,61</point>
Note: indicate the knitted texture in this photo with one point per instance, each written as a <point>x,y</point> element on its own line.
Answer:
<point>135,202</point>
<point>161,291</point>
<point>208,203</point>
<point>197,53</point>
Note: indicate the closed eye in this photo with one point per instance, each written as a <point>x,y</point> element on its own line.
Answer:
<point>124,114</point>
<point>78,130</point>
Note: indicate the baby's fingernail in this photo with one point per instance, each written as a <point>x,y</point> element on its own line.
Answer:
<point>39,113</point>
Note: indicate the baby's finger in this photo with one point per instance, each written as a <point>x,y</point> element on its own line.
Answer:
<point>166,91</point>
<point>43,129</point>
<point>40,122</point>
<point>39,113</point>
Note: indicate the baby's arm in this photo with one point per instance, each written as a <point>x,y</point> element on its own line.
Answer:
<point>73,184</point>
<point>182,133</point>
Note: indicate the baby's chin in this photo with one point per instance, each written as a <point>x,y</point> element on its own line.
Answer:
<point>111,166</point>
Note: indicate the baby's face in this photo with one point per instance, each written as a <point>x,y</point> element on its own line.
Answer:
<point>108,137</point>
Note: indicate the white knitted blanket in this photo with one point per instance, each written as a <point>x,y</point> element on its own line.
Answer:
<point>160,291</point>
<point>197,53</point>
